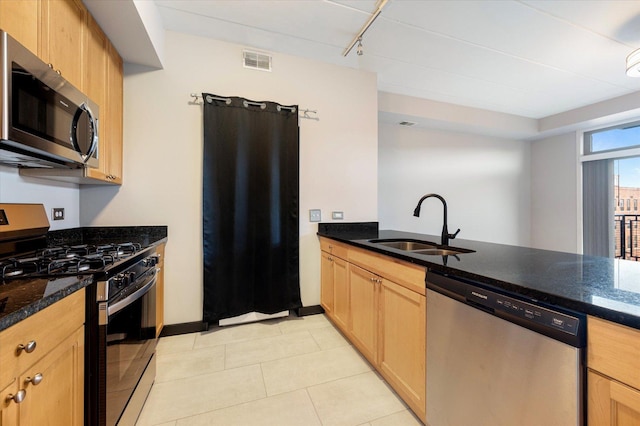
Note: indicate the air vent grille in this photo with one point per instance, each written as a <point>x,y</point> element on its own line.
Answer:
<point>407,123</point>
<point>256,61</point>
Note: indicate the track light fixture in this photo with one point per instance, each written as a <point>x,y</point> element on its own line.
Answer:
<point>365,27</point>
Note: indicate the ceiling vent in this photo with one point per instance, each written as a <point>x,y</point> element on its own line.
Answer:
<point>407,123</point>
<point>256,61</point>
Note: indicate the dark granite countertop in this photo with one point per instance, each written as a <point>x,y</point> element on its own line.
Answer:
<point>22,298</point>
<point>599,286</point>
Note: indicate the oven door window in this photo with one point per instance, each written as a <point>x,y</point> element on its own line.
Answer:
<point>130,345</point>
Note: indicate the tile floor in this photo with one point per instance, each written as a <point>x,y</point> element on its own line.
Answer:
<point>291,371</point>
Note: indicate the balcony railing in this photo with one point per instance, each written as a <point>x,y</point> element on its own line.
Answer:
<point>627,236</point>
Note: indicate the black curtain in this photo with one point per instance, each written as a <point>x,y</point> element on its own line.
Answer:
<point>250,207</point>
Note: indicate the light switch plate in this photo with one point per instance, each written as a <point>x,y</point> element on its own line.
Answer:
<point>315,215</point>
<point>337,215</point>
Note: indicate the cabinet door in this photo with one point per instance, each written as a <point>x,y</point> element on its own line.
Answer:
<point>326,283</point>
<point>62,43</point>
<point>160,292</point>
<point>364,302</point>
<point>58,396</point>
<point>402,338</point>
<point>8,407</point>
<point>113,122</point>
<point>20,19</point>
<point>109,96</point>
<point>341,294</point>
<point>611,403</point>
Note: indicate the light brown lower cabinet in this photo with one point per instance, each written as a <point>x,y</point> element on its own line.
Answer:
<point>363,290</point>
<point>334,291</point>
<point>611,402</point>
<point>160,291</point>
<point>379,304</point>
<point>43,384</point>
<point>341,293</point>
<point>402,343</point>
<point>613,380</point>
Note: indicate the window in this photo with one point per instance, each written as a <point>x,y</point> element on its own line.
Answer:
<point>612,138</point>
<point>611,172</point>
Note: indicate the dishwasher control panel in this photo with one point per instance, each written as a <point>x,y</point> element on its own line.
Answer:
<point>529,312</point>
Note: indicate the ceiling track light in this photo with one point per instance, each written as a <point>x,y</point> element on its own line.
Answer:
<point>633,64</point>
<point>365,27</point>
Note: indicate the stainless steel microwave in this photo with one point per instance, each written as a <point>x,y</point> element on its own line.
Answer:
<point>45,122</point>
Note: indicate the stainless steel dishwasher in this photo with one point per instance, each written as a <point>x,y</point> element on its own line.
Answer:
<point>495,358</point>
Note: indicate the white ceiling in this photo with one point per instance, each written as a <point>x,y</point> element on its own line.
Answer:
<point>529,58</point>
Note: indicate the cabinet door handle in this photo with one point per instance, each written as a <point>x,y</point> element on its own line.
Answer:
<point>28,348</point>
<point>35,380</point>
<point>18,397</point>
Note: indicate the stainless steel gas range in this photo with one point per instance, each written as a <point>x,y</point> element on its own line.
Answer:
<point>120,325</point>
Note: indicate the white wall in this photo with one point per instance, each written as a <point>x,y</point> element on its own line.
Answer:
<point>17,189</point>
<point>554,193</point>
<point>163,153</point>
<point>484,180</point>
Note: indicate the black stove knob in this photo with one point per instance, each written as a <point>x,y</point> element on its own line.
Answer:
<point>120,280</point>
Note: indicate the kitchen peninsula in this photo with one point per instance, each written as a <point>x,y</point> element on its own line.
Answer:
<point>606,290</point>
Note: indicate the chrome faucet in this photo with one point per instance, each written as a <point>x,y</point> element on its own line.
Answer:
<point>446,236</point>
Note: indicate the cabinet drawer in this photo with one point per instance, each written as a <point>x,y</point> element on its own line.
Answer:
<point>46,328</point>
<point>333,247</point>
<point>614,350</point>
<point>406,274</point>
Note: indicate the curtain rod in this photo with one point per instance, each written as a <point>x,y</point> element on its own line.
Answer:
<point>304,113</point>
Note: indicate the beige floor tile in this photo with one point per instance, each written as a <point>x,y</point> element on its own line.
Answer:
<point>328,338</point>
<point>195,395</point>
<point>270,348</point>
<point>354,400</point>
<point>237,333</point>
<point>173,344</point>
<point>293,408</point>
<point>285,375</point>
<point>403,418</point>
<point>179,365</point>
<point>292,323</point>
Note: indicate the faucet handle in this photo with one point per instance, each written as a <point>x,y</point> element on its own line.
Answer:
<point>452,236</point>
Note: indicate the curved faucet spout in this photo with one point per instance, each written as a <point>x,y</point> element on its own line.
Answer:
<point>445,236</point>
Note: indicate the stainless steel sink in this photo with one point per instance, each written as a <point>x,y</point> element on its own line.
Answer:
<point>442,251</point>
<point>421,247</point>
<point>406,245</point>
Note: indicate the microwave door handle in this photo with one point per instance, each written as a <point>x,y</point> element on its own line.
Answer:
<point>94,132</point>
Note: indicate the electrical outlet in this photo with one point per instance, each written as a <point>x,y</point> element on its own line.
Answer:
<point>315,215</point>
<point>57,213</point>
<point>337,215</point>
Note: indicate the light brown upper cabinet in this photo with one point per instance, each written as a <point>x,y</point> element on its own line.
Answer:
<point>62,37</point>
<point>21,19</point>
<point>64,34</point>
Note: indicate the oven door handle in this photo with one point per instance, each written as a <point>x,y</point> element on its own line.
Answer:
<point>144,289</point>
